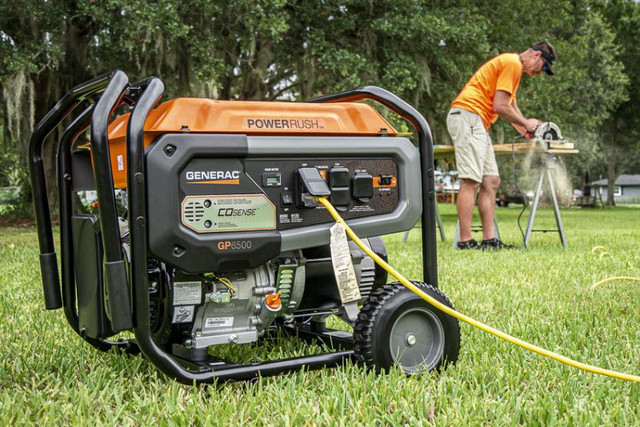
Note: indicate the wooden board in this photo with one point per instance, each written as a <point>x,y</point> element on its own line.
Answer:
<point>448,152</point>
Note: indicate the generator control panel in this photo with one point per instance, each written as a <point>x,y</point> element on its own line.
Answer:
<point>267,194</point>
<point>225,202</point>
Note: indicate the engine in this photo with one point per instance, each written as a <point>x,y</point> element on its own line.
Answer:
<point>233,306</point>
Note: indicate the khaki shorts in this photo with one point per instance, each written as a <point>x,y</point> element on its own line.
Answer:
<point>474,152</point>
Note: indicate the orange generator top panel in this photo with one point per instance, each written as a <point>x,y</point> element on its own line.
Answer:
<point>253,117</point>
<point>200,115</point>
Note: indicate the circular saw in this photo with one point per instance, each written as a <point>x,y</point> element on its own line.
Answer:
<point>547,135</point>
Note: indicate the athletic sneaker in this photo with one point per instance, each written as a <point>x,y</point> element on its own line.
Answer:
<point>494,245</point>
<point>469,244</point>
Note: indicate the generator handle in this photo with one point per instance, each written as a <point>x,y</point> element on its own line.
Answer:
<point>48,261</point>
<point>425,145</point>
<point>115,271</point>
<point>151,92</point>
<point>65,186</point>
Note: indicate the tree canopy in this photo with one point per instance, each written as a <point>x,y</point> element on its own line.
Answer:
<point>295,49</point>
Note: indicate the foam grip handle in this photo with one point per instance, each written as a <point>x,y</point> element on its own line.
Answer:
<point>119,299</point>
<point>50,281</point>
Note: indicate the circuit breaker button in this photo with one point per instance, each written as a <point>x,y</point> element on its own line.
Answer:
<point>363,186</point>
<point>340,196</point>
<point>339,177</point>
<point>385,180</point>
<point>287,199</point>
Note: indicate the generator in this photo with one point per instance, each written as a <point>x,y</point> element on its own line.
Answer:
<point>207,229</point>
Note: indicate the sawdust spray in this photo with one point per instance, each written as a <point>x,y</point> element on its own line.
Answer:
<point>528,173</point>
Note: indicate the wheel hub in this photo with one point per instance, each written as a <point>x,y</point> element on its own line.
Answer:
<point>417,340</point>
<point>410,339</point>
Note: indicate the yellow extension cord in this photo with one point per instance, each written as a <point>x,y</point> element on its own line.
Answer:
<point>467,319</point>
<point>610,279</point>
<point>602,252</point>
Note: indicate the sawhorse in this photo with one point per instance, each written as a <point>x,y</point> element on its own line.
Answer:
<point>438,224</point>
<point>545,172</point>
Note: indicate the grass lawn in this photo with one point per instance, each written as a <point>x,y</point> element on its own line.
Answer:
<point>49,376</point>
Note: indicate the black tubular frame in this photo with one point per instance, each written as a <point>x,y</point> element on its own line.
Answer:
<point>112,86</point>
<point>48,261</point>
<point>130,288</point>
<point>115,271</point>
<point>65,179</point>
<point>425,145</point>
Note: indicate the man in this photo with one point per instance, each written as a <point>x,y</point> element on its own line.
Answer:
<point>489,94</point>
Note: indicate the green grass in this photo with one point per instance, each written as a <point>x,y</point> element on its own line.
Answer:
<point>50,376</point>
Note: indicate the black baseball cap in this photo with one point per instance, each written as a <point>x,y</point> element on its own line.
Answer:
<point>547,58</point>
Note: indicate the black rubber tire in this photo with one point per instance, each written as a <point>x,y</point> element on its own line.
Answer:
<point>376,320</point>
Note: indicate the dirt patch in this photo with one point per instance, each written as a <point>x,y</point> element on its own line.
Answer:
<point>16,221</point>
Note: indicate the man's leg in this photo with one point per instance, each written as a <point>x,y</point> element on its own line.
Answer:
<point>487,204</point>
<point>470,141</point>
<point>465,204</point>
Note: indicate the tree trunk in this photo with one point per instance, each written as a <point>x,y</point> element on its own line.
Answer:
<point>611,177</point>
<point>18,121</point>
<point>46,91</point>
<point>611,157</point>
<point>53,85</point>
<point>184,70</point>
<point>254,70</point>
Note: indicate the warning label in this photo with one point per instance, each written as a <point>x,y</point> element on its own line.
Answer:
<point>186,293</point>
<point>343,266</point>
<point>183,314</point>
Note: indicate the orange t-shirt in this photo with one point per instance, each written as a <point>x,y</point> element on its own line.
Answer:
<point>500,73</point>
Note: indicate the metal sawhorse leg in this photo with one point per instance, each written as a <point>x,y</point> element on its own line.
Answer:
<point>556,209</point>
<point>438,224</point>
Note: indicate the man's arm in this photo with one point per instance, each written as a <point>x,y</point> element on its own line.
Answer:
<point>511,112</point>
<point>521,130</point>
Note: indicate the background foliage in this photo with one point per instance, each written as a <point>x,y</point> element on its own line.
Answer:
<point>295,49</point>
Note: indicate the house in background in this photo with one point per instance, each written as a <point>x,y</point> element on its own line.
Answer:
<point>625,190</point>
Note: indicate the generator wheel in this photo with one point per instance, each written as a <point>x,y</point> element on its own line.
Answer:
<point>397,327</point>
